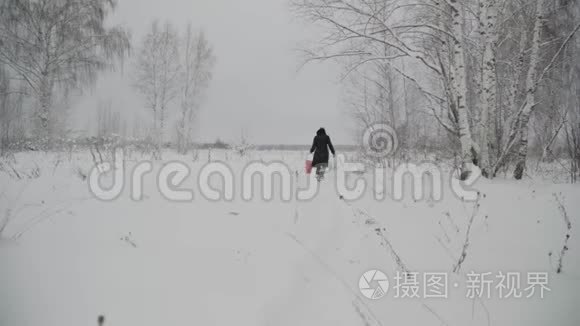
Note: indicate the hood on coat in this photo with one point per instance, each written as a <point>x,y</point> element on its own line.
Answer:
<point>321,131</point>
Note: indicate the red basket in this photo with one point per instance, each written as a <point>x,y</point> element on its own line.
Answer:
<point>308,165</point>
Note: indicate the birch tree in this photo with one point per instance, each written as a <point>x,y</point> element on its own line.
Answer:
<point>50,43</point>
<point>459,86</point>
<point>157,72</point>
<point>198,62</point>
<point>479,65</point>
<point>11,110</point>
<point>569,92</point>
<point>359,30</point>
<point>530,86</point>
<point>488,29</point>
<point>518,140</point>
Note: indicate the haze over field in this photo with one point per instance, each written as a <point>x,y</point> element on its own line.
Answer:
<point>258,84</point>
<point>289,162</point>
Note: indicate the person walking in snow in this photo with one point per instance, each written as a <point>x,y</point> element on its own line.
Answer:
<point>320,146</point>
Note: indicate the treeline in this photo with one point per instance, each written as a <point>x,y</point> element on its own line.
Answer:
<point>112,142</point>
<point>51,50</point>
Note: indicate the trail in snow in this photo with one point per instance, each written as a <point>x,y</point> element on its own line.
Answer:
<point>293,263</point>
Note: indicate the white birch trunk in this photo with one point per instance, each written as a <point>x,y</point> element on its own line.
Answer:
<point>530,99</point>
<point>489,83</point>
<point>45,99</point>
<point>459,89</point>
<point>514,87</point>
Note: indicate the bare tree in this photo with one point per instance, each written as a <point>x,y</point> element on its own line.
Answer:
<point>567,88</point>
<point>517,141</point>
<point>11,110</point>
<point>198,62</point>
<point>50,43</point>
<point>360,30</point>
<point>108,120</point>
<point>478,64</point>
<point>157,72</point>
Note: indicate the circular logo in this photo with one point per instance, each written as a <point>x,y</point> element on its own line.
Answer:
<point>373,284</point>
<point>380,140</point>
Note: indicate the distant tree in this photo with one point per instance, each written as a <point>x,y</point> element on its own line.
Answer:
<point>108,121</point>
<point>157,72</point>
<point>11,110</point>
<point>220,144</point>
<point>198,62</point>
<point>50,43</point>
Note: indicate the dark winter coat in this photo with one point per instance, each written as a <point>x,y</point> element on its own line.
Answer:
<point>320,146</point>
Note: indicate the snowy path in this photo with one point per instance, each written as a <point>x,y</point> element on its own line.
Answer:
<point>158,262</point>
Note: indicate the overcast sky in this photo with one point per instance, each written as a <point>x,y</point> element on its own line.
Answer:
<point>257,86</point>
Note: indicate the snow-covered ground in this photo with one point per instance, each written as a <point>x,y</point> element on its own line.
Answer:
<point>67,257</point>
